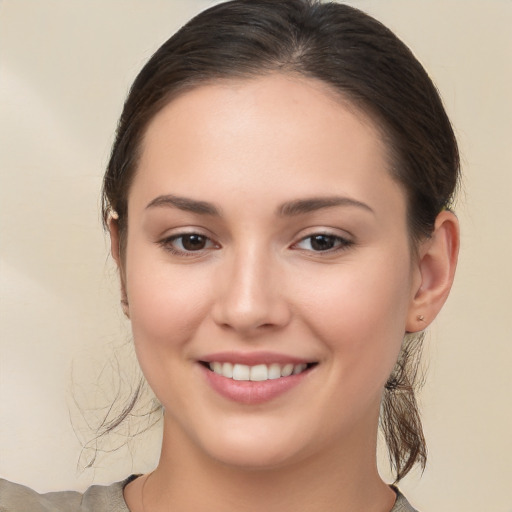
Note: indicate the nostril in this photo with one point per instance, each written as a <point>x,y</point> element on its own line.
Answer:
<point>248,308</point>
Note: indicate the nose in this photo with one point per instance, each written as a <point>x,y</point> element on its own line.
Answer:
<point>250,297</point>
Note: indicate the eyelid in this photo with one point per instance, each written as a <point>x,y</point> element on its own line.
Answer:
<point>166,243</point>
<point>344,241</point>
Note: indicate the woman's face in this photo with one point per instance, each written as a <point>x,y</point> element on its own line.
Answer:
<point>266,236</point>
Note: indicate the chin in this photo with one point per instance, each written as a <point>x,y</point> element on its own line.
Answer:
<point>255,457</point>
<point>256,448</point>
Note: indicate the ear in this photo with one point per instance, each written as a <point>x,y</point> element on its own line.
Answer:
<point>115,241</point>
<point>437,260</point>
<point>113,229</point>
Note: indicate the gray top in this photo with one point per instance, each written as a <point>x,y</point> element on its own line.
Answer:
<point>97,498</point>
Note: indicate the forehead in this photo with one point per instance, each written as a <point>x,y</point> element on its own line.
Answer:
<point>276,133</point>
<point>289,97</point>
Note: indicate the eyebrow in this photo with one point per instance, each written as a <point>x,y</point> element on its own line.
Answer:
<point>184,203</point>
<point>302,206</point>
<point>288,209</point>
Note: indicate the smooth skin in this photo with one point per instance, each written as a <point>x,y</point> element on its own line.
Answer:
<point>263,217</point>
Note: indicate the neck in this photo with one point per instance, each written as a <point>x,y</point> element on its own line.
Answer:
<point>341,479</point>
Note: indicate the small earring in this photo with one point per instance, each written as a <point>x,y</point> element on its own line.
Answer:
<point>420,318</point>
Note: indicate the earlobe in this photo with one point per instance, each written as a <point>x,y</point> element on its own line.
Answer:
<point>436,265</point>
<point>113,229</point>
<point>115,244</point>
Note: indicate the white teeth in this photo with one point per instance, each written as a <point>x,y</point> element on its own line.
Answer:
<point>274,371</point>
<point>299,368</point>
<point>227,370</point>
<point>286,370</point>
<point>259,372</point>
<point>216,367</point>
<point>241,372</point>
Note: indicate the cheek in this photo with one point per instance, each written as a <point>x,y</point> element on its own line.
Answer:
<point>167,305</point>
<point>359,310</point>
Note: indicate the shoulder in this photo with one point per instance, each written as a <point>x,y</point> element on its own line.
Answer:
<point>18,498</point>
<point>401,503</point>
<point>97,498</point>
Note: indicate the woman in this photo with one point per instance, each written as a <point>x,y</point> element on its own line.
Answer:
<point>278,205</point>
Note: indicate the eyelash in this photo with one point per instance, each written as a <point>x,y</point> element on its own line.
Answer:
<point>167,244</point>
<point>340,244</point>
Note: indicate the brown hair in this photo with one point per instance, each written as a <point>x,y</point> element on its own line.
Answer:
<point>368,65</point>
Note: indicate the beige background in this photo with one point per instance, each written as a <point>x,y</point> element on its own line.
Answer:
<point>65,68</point>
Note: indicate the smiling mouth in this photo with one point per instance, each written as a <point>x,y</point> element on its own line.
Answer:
<point>256,373</point>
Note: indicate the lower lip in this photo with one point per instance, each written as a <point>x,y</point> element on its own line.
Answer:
<point>252,392</point>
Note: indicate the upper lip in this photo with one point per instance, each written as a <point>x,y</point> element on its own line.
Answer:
<point>253,358</point>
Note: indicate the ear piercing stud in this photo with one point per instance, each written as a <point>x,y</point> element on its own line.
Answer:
<point>420,318</point>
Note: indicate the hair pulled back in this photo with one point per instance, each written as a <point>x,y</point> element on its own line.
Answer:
<point>368,66</point>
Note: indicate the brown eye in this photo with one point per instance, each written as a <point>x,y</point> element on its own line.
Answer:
<point>187,243</point>
<point>193,242</point>
<point>323,242</point>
